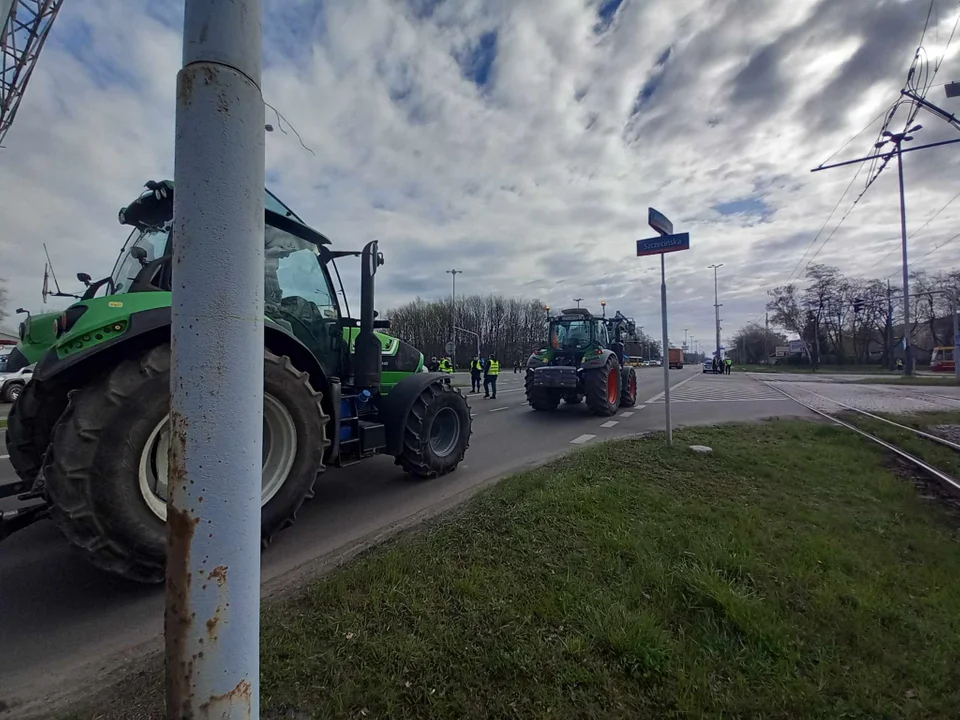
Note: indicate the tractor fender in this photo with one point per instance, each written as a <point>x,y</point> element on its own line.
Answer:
<point>395,407</point>
<point>152,327</point>
<point>592,361</point>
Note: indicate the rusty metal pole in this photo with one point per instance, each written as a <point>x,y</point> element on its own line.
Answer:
<point>212,621</point>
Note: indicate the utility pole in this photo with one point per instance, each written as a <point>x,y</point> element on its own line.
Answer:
<point>898,139</point>
<point>453,316</point>
<point>212,616</point>
<point>578,301</point>
<point>766,337</point>
<point>716,304</point>
<point>891,364</point>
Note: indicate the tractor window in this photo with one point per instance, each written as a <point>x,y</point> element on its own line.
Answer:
<point>154,242</point>
<point>571,335</point>
<point>297,289</point>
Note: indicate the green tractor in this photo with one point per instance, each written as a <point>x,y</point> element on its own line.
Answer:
<point>89,435</point>
<point>584,359</point>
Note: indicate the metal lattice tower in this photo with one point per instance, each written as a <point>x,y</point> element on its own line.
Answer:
<point>26,24</point>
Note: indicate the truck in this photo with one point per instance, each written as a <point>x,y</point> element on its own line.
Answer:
<point>675,358</point>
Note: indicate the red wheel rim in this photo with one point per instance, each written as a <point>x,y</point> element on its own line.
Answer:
<point>613,391</point>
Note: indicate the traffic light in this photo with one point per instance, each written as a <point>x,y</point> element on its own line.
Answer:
<point>857,305</point>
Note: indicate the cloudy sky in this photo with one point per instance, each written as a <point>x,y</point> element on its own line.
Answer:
<point>518,140</point>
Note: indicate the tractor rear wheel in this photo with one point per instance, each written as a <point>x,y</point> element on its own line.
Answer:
<point>106,466</point>
<point>540,398</point>
<point>29,426</point>
<point>436,434</point>
<point>602,388</point>
<point>628,387</point>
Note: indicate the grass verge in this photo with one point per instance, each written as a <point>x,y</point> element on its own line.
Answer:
<point>3,423</point>
<point>788,574</point>
<point>946,381</point>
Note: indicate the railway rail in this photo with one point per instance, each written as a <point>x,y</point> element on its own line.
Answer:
<point>949,481</point>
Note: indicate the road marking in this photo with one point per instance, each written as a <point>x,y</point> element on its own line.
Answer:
<point>582,439</point>
<point>609,423</point>
<point>659,396</point>
<point>505,407</point>
<point>626,414</point>
<point>473,414</point>
<point>4,457</point>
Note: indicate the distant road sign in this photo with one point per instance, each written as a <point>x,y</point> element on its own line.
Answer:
<point>659,222</point>
<point>663,244</point>
<point>783,350</point>
<point>449,346</point>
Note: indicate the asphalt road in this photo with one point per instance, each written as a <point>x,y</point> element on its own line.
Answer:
<point>64,625</point>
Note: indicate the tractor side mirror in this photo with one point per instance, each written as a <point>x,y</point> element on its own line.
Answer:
<point>140,254</point>
<point>84,278</point>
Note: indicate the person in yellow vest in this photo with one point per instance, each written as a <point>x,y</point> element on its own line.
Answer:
<point>446,366</point>
<point>490,374</point>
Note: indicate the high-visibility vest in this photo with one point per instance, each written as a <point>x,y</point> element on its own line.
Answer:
<point>446,366</point>
<point>494,368</point>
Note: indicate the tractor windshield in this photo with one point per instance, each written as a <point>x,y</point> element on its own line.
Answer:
<point>153,242</point>
<point>571,334</point>
<point>297,288</point>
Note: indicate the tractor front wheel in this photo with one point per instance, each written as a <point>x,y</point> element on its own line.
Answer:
<point>436,434</point>
<point>628,387</point>
<point>29,426</point>
<point>602,388</point>
<point>540,398</point>
<point>106,467</point>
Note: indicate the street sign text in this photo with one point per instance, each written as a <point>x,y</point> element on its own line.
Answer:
<point>663,244</point>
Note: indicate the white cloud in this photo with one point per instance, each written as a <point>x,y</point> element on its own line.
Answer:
<point>537,183</point>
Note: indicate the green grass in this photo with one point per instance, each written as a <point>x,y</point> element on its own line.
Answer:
<point>945,381</point>
<point>3,423</point>
<point>824,369</point>
<point>789,574</point>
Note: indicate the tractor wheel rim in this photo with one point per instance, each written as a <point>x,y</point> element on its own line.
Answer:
<point>613,391</point>
<point>279,454</point>
<point>444,432</point>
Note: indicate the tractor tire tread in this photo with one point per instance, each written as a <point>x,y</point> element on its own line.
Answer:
<point>414,458</point>
<point>595,389</point>
<point>541,399</point>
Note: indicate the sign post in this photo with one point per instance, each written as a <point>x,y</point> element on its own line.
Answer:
<point>661,245</point>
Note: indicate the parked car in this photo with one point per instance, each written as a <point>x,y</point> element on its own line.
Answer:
<point>12,383</point>
<point>708,366</point>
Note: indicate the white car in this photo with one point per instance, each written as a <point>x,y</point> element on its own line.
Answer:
<point>12,383</point>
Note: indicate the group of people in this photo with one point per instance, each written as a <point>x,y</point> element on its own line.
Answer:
<point>487,368</point>
<point>722,365</point>
<point>444,364</point>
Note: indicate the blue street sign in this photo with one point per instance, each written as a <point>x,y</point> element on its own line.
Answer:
<point>663,244</point>
<point>659,222</point>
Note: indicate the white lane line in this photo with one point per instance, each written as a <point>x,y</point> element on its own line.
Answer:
<point>658,396</point>
<point>4,457</point>
<point>505,407</point>
<point>582,439</point>
<point>473,414</point>
<point>626,414</point>
<point>639,407</point>
<point>609,423</point>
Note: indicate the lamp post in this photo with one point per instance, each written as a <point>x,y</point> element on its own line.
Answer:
<point>716,304</point>
<point>578,301</point>
<point>453,316</point>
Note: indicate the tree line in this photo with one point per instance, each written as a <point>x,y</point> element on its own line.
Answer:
<point>510,328</point>
<point>846,319</point>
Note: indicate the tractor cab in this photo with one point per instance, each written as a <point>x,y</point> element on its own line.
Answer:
<point>575,332</point>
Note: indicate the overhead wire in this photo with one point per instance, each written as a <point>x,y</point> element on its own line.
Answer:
<point>878,164</point>
<point>917,231</point>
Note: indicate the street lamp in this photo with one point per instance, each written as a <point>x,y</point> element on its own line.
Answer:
<point>716,304</point>
<point>453,316</point>
<point>578,301</point>
<point>603,305</point>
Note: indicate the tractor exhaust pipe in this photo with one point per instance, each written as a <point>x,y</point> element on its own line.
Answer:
<point>367,349</point>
